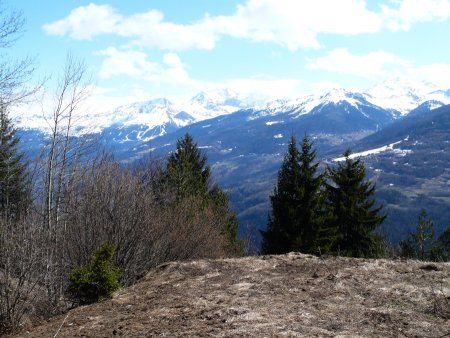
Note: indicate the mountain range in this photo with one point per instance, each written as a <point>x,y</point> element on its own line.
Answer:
<point>245,141</point>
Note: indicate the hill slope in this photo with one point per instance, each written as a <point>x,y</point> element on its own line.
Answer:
<point>288,295</point>
<point>414,172</point>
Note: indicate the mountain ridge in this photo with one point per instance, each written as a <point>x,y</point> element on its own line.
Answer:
<point>162,114</point>
<point>245,148</point>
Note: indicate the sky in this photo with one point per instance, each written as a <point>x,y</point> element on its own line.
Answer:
<point>138,50</point>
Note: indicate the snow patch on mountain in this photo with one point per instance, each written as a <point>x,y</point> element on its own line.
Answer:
<point>375,151</point>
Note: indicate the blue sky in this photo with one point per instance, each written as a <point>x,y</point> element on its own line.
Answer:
<point>138,50</point>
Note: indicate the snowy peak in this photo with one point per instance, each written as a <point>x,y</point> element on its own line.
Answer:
<point>149,113</point>
<point>155,105</point>
<point>219,97</point>
<point>404,95</point>
<point>337,95</point>
<point>426,107</point>
<point>336,100</point>
<point>395,97</point>
<point>206,105</point>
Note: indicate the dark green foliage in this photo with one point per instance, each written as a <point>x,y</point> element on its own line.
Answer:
<point>422,244</point>
<point>310,205</point>
<point>297,218</point>
<point>352,210</point>
<point>14,185</point>
<point>441,250</point>
<point>282,224</point>
<point>188,175</point>
<point>96,280</point>
<point>220,201</point>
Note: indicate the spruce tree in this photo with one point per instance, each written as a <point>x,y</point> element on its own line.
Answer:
<point>298,215</point>
<point>421,243</point>
<point>282,225</point>
<point>352,208</point>
<point>310,213</point>
<point>13,178</point>
<point>441,250</point>
<point>187,172</point>
<point>188,175</point>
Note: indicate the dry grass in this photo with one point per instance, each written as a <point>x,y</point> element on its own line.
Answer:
<point>291,295</point>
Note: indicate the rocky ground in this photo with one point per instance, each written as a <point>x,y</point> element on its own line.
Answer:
<point>290,295</point>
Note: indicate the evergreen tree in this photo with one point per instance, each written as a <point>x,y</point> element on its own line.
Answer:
<point>420,244</point>
<point>441,250</point>
<point>352,208</point>
<point>282,226</point>
<point>297,220</point>
<point>97,280</point>
<point>310,209</point>
<point>187,174</point>
<point>13,178</point>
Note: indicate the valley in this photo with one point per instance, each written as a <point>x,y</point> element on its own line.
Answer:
<point>403,140</point>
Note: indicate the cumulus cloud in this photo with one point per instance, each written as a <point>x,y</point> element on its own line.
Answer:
<point>296,24</point>
<point>84,23</point>
<point>265,88</point>
<point>147,29</point>
<point>405,13</point>
<point>290,23</point>
<point>436,73</point>
<point>340,60</point>
<point>136,64</point>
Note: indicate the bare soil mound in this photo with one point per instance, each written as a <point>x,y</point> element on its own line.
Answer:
<point>290,295</point>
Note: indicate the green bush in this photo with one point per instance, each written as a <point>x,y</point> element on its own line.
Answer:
<point>96,280</point>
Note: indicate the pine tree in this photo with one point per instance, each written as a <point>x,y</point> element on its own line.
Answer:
<point>282,225</point>
<point>13,178</point>
<point>352,208</point>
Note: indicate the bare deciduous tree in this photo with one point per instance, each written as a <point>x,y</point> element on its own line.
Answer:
<point>58,162</point>
<point>14,74</point>
<point>21,244</point>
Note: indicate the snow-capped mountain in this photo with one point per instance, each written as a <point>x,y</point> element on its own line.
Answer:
<point>147,120</point>
<point>245,144</point>
<point>403,95</point>
<point>396,97</point>
<point>206,105</point>
<point>334,106</point>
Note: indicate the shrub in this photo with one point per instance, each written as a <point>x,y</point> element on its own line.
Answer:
<point>96,280</point>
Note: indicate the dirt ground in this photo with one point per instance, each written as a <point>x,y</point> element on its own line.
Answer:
<point>290,295</point>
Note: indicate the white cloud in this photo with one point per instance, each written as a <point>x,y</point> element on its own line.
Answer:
<point>84,23</point>
<point>292,24</point>
<point>437,73</point>
<point>323,87</point>
<point>296,24</point>
<point>340,60</point>
<point>147,29</point>
<point>137,65</point>
<point>408,12</point>
<point>265,88</point>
